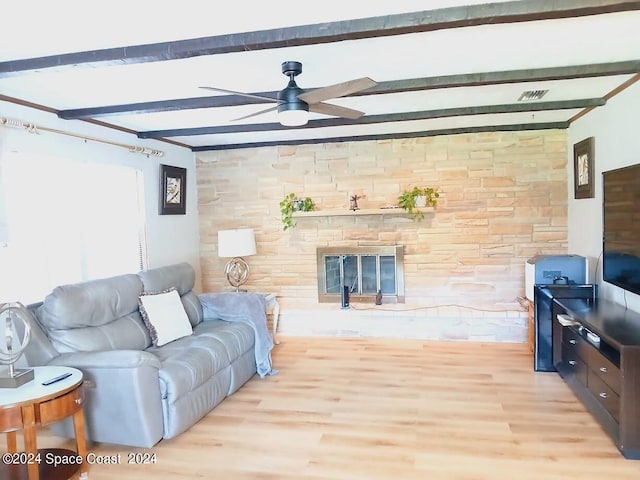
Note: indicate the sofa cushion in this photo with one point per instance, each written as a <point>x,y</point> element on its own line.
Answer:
<point>180,276</point>
<point>238,338</point>
<point>91,316</point>
<point>188,363</point>
<point>164,316</point>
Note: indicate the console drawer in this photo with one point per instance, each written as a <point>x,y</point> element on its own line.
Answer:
<point>605,369</point>
<point>595,360</point>
<point>604,394</point>
<point>573,364</point>
<point>570,336</point>
<point>575,343</point>
<point>61,407</point>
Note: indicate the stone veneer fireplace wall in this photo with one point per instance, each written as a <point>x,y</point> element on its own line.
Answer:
<point>503,200</point>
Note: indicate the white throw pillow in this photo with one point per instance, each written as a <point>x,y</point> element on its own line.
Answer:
<point>164,316</point>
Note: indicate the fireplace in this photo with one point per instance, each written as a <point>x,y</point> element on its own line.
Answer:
<point>364,270</point>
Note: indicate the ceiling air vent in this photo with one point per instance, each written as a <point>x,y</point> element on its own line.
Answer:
<point>529,95</point>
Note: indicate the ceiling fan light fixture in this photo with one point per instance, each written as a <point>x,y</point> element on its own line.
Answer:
<point>293,114</point>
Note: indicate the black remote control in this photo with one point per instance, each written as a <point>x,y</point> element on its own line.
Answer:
<point>56,379</point>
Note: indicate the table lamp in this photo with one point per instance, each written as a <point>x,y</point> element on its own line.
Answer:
<point>12,346</point>
<point>236,244</point>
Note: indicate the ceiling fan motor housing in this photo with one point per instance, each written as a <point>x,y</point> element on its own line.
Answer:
<point>291,68</point>
<point>288,97</point>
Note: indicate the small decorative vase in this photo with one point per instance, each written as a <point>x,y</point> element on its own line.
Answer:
<point>421,201</point>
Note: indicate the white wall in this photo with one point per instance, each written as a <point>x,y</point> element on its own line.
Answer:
<point>616,130</point>
<point>170,238</point>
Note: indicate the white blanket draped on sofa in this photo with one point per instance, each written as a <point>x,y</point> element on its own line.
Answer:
<point>249,308</point>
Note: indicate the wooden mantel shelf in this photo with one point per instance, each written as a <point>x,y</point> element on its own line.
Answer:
<point>352,213</point>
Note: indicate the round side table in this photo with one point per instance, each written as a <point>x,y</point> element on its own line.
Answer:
<point>32,405</point>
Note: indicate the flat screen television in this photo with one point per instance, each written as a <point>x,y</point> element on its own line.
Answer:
<point>621,228</point>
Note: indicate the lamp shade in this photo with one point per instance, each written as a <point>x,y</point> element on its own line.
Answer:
<point>240,242</point>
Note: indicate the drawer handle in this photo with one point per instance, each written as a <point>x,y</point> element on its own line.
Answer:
<point>572,362</point>
<point>603,369</point>
<point>603,395</point>
<point>78,401</point>
<point>572,341</point>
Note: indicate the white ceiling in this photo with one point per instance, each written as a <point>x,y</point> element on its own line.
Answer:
<point>43,29</point>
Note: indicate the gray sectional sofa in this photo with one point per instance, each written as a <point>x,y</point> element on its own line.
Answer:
<point>138,393</point>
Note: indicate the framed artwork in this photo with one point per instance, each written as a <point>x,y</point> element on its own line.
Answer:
<point>583,157</point>
<point>173,190</point>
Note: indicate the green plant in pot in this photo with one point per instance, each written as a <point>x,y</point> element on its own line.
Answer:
<point>291,203</point>
<point>412,200</point>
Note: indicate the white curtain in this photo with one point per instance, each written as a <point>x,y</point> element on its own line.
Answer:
<point>67,221</point>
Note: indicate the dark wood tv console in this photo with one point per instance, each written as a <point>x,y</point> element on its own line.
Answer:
<point>604,374</point>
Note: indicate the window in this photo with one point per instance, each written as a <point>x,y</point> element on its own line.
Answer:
<point>65,222</point>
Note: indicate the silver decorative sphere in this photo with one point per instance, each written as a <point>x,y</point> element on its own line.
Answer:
<point>237,272</point>
<point>12,345</point>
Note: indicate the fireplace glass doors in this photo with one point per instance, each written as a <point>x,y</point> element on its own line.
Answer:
<point>364,270</point>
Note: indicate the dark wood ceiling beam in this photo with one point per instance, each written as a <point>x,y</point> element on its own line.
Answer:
<point>43,108</point>
<point>398,24</point>
<point>166,105</point>
<point>394,86</point>
<point>503,77</point>
<point>372,119</point>
<point>388,136</point>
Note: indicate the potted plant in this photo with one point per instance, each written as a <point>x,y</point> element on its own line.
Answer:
<point>412,200</point>
<point>291,203</point>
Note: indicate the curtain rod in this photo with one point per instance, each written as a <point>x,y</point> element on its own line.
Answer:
<point>33,128</point>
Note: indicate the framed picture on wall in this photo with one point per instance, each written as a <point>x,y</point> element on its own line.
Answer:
<point>583,157</point>
<point>173,190</point>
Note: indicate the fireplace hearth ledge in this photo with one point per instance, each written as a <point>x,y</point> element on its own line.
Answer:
<point>508,326</point>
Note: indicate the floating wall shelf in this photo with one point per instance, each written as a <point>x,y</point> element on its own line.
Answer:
<point>356,213</point>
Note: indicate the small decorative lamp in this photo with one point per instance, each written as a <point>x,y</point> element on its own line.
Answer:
<point>236,244</point>
<point>12,347</point>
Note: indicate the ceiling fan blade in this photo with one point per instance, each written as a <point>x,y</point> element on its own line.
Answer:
<point>335,110</point>
<point>337,90</point>
<point>250,95</point>
<point>256,113</point>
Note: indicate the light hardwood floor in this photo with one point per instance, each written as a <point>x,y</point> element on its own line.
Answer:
<point>388,409</point>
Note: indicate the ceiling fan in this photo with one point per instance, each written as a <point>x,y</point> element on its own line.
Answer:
<point>294,104</point>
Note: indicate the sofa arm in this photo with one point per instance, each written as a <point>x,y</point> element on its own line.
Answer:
<point>230,306</point>
<point>123,403</point>
<point>107,359</point>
